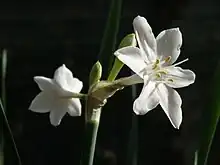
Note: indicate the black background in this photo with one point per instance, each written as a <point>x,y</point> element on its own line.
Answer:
<point>41,35</point>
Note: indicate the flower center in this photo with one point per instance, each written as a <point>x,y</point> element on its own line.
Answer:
<point>158,72</point>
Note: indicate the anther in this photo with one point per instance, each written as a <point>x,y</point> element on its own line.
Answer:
<point>171,80</point>
<point>157,61</point>
<point>167,59</point>
<point>162,72</point>
<point>158,75</point>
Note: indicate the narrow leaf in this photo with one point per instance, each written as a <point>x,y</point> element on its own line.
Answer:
<point>3,95</point>
<point>10,132</point>
<point>110,35</point>
<point>210,121</point>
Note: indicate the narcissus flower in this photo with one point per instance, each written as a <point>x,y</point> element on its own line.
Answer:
<point>58,95</point>
<point>153,61</point>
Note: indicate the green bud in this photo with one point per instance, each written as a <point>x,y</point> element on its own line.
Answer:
<point>128,40</point>
<point>95,73</point>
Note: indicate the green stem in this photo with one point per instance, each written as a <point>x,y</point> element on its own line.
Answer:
<point>115,69</point>
<point>92,125</point>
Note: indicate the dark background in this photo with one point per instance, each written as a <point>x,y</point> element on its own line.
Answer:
<point>40,36</point>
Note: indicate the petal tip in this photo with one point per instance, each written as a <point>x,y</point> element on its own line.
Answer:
<point>137,110</point>
<point>36,78</point>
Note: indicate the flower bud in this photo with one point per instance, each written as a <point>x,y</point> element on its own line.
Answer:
<point>95,73</point>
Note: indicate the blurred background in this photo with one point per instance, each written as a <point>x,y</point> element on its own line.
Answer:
<point>40,36</point>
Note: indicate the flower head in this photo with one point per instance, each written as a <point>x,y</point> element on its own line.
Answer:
<point>153,61</point>
<point>57,95</point>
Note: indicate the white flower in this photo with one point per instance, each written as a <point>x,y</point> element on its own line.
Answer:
<point>57,95</point>
<point>153,61</point>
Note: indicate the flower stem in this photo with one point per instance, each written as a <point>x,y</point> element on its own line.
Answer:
<point>92,125</point>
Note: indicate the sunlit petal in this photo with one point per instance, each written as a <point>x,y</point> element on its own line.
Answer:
<point>171,102</point>
<point>147,100</point>
<point>57,112</point>
<point>42,103</point>
<point>64,78</point>
<point>178,77</point>
<point>168,44</point>
<point>74,107</point>
<point>44,83</point>
<point>131,56</point>
<point>145,38</point>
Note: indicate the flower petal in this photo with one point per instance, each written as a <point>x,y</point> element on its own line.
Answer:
<point>44,83</point>
<point>171,102</point>
<point>42,103</point>
<point>147,100</point>
<point>169,43</point>
<point>74,107</point>
<point>145,38</point>
<point>58,111</point>
<point>64,78</point>
<point>131,56</point>
<point>178,77</point>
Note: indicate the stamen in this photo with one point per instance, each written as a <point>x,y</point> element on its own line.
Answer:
<point>171,80</point>
<point>155,64</point>
<point>162,72</point>
<point>167,59</point>
<point>181,62</point>
<point>157,61</point>
<point>158,75</point>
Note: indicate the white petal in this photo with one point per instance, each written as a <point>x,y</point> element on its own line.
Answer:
<point>58,111</point>
<point>171,103</point>
<point>178,77</point>
<point>145,38</point>
<point>74,107</point>
<point>131,56</point>
<point>42,103</point>
<point>147,100</point>
<point>44,83</point>
<point>64,78</point>
<point>169,43</point>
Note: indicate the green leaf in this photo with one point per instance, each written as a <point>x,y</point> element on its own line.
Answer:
<point>3,95</point>
<point>210,121</point>
<point>110,35</point>
<point>10,132</point>
<point>4,69</point>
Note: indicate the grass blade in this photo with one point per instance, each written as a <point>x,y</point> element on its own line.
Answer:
<point>110,35</point>
<point>10,132</point>
<point>210,121</point>
<point>3,95</point>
